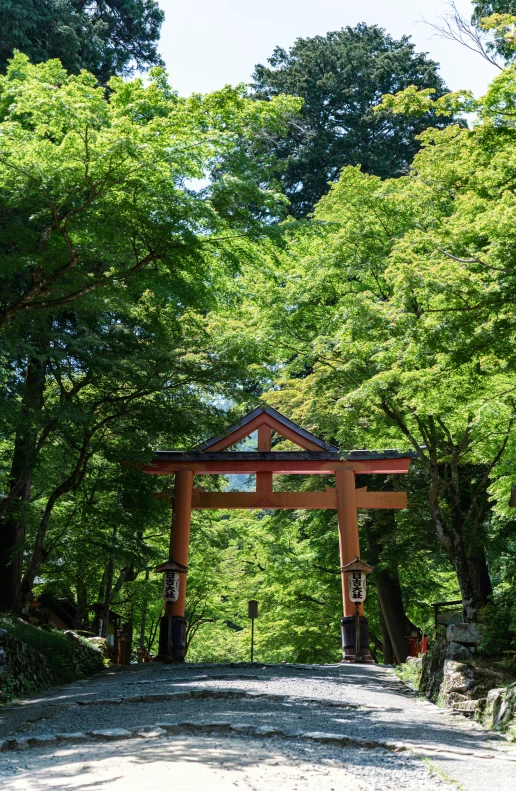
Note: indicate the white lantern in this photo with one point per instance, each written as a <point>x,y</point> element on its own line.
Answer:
<point>171,585</point>
<point>357,586</point>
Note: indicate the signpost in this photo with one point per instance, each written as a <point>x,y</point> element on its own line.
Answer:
<point>357,589</point>
<point>252,612</point>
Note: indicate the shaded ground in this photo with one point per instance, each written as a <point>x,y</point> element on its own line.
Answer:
<point>373,705</point>
<point>215,764</point>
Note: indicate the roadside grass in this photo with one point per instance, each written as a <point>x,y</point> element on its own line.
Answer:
<point>442,775</point>
<point>409,673</point>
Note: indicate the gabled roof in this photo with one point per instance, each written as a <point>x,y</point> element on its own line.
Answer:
<point>276,421</point>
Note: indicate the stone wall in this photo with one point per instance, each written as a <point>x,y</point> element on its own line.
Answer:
<point>22,668</point>
<point>60,657</point>
<point>499,712</point>
<point>453,674</point>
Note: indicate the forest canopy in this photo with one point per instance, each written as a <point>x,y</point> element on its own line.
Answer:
<point>105,37</point>
<point>169,263</point>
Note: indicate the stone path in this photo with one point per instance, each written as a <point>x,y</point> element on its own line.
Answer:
<point>309,728</point>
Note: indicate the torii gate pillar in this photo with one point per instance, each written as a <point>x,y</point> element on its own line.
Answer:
<point>349,549</point>
<point>172,639</point>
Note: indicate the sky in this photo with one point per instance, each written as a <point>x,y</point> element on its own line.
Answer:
<point>207,44</point>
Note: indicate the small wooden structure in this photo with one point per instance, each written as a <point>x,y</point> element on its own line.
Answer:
<point>316,457</point>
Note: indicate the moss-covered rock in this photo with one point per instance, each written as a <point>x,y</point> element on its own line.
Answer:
<point>475,685</point>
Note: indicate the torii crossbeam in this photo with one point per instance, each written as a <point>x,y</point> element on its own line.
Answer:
<point>316,458</point>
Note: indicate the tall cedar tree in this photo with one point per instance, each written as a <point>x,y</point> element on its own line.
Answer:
<point>341,77</point>
<point>106,37</point>
<point>485,8</point>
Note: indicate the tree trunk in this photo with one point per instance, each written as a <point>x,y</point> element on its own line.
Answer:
<point>396,621</point>
<point>380,531</point>
<point>109,584</point>
<point>388,653</point>
<point>463,488</point>
<point>39,552</point>
<point>81,613</point>
<point>13,523</point>
<point>473,577</point>
<point>479,572</point>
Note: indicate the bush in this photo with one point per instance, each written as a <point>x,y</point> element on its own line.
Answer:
<point>499,625</point>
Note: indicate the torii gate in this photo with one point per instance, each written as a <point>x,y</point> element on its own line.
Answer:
<point>316,458</point>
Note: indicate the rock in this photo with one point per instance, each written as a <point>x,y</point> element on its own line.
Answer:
<point>432,673</point>
<point>162,697</point>
<point>23,669</point>
<point>71,635</point>
<point>510,692</point>
<point>268,730</point>
<point>205,727</point>
<point>242,727</point>
<point>326,738</point>
<point>43,740</point>
<point>458,680</point>
<point>150,732</point>
<point>110,734</point>
<point>457,651</point>
<point>492,708</point>
<point>99,644</point>
<point>168,727</point>
<point>465,633</point>
<point>498,710</point>
<point>74,738</point>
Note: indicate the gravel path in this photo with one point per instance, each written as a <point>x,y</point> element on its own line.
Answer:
<point>214,764</point>
<point>326,716</point>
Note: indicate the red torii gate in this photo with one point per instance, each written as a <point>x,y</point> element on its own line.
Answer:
<point>316,458</point>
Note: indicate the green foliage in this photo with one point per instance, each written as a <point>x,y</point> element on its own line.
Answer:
<point>499,624</point>
<point>95,188</point>
<point>392,321</point>
<point>278,560</point>
<point>111,264</point>
<point>498,16</point>
<point>341,77</point>
<point>106,37</point>
<point>138,308</point>
<point>410,672</point>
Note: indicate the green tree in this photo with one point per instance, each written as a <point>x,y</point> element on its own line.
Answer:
<point>499,16</point>
<point>74,158</point>
<point>103,239</point>
<point>395,315</point>
<point>106,37</point>
<point>341,77</point>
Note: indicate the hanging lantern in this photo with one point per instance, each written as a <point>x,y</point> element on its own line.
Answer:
<point>171,585</point>
<point>357,586</point>
<point>171,579</point>
<point>357,572</point>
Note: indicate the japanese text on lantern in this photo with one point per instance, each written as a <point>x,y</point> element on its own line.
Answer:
<point>170,585</point>
<point>357,586</point>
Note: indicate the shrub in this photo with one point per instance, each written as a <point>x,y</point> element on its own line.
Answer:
<point>499,625</point>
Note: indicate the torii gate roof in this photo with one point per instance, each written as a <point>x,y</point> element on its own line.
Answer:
<point>317,456</point>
